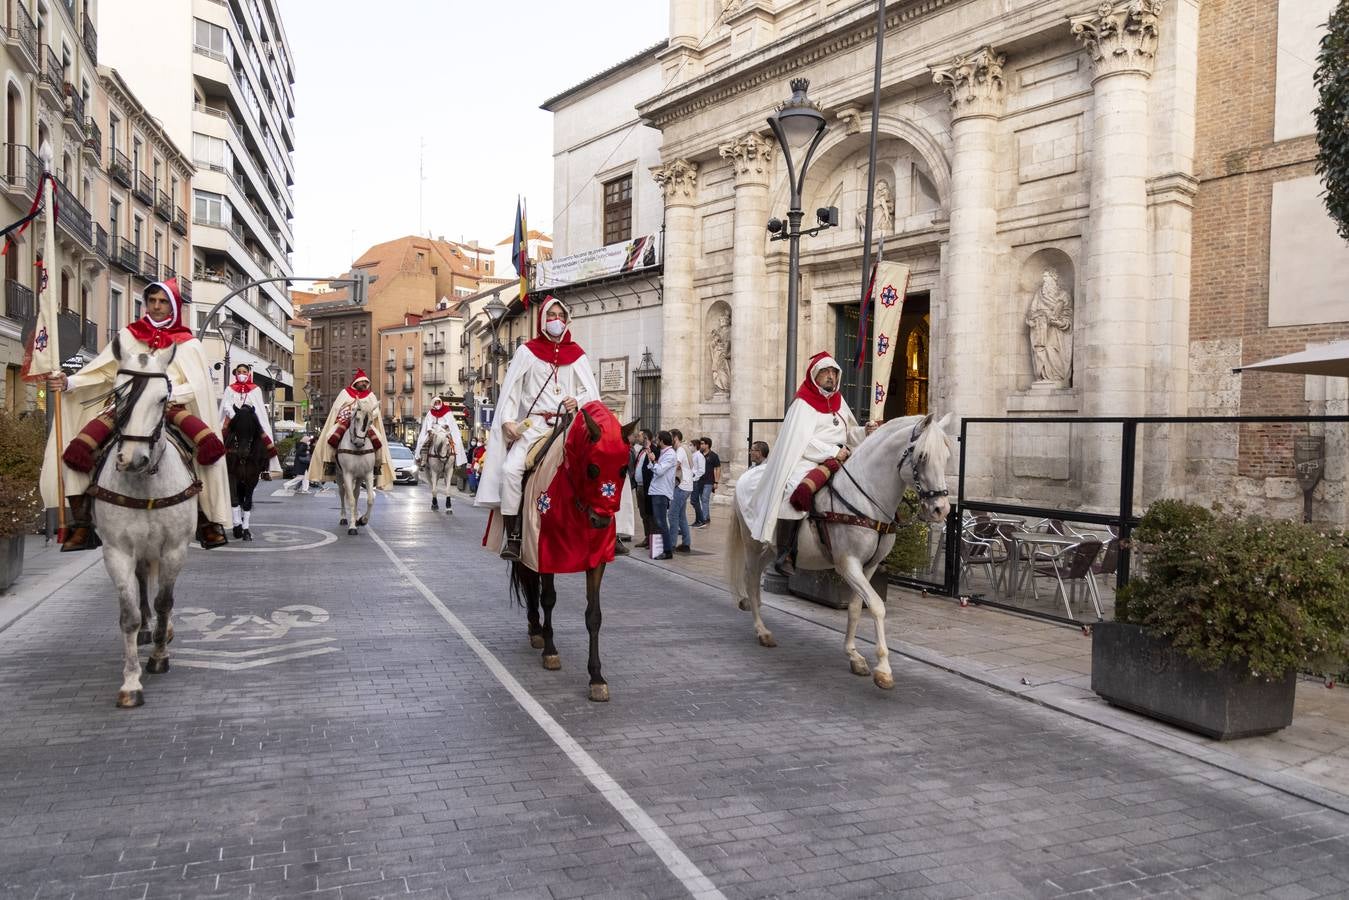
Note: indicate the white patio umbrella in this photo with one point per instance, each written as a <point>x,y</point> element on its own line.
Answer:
<point>1326,359</point>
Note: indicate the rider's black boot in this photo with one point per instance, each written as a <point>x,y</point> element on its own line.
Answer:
<point>510,547</point>
<point>209,534</point>
<point>785,537</point>
<point>246,535</point>
<point>80,534</point>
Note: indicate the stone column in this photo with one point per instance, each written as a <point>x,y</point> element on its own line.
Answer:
<point>1121,38</point>
<point>755,329</point>
<point>976,89</point>
<point>679,311</point>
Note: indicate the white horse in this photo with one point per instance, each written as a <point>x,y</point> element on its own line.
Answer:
<point>146,511</point>
<point>440,466</point>
<point>356,461</point>
<point>902,453</point>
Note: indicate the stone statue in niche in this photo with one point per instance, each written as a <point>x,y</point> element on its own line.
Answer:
<point>883,211</point>
<point>1050,320</point>
<point>719,345</point>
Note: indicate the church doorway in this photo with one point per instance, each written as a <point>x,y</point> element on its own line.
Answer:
<point>907,392</point>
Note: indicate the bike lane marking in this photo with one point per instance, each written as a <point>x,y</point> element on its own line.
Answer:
<point>680,866</point>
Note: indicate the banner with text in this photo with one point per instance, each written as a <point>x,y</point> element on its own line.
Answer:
<point>612,259</point>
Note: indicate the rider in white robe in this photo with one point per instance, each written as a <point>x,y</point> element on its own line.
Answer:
<point>547,375</point>
<point>355,395</point>
<point>239,393</point>
<point>441,416</point>
<point>818,426</point>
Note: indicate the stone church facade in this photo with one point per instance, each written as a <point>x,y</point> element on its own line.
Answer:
<point>1037,172</point>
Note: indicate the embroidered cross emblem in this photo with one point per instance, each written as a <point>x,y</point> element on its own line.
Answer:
<point>544,503</point>
<point>882,344</point>
<point>609,489</point>
<point>889,296</point>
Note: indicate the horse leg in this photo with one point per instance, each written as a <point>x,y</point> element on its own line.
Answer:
<point>342,497</point>
<point>143,588</point>
<point>755,555</point>
<point>246,489</point>
<point>350,495</point>
<point>369,484</point>
<point>158,663</point>
<point>599,688</point>
<point>122,568</point>
<point>856,661</point>
<point>529,581</point>
<point>851,572</point>
<point>548,597</point>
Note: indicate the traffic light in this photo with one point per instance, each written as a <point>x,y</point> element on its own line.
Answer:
<point>360,287</point>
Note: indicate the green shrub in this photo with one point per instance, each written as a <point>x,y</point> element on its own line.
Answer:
<point>910,551</point>
<point>1332,116</point>
<point>1266,596</point>
<point>22,441</point>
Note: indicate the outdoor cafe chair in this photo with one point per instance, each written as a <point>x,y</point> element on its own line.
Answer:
<point>1070,567</point>
<point>988,554</point>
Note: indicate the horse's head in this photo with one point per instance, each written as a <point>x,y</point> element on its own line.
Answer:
<point>360,427</point>
<point>931,449</point>
<point>440,442</point>
<point>597,458</point>
<point>243,431</point>
<point>141,392</point>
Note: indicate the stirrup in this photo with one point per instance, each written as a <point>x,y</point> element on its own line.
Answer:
<point>510,549</point>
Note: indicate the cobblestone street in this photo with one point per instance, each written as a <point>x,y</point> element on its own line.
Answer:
<point>376,724</point>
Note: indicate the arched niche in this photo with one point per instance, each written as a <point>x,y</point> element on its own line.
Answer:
<point>1031,283</point>
<point>717,351</point>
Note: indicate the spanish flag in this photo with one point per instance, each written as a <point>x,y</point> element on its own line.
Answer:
<point>520,251</point>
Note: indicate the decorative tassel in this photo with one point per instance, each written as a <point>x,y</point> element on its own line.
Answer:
<point>209,446</point>
<point>803,498</point>
<point>81,453</point>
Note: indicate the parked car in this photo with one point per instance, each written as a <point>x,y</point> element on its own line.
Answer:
<point>404,465</point>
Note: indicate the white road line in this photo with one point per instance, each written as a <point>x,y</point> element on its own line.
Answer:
<point>680,866</point>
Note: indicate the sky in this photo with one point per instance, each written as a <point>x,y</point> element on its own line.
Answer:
<point>458,83</point>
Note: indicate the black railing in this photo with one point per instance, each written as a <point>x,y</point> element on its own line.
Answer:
<point>23,34</point>
<point>409,364</point>
<point>163,206</point>
<point>93,140</point>
<point>72,216</point>
<point>89,37</point>
<point>101,244</point>
<point>389,366</point>
<point>185,287</point>
<point>434,349</point>
<point>89,336</point>
<point>144,189</point>
<point>119,167</point>
<point>128,259</point>
<point>433,380</point>
<point>23,170</point>
<point>75,107</point>
<point>179,220</point>
<point>149,266</point>
<point>19,303</point>
<point>52,73</point>
<point>167,272</point>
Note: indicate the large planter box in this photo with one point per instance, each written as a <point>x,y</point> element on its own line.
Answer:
<point>1136,671</point>
<point>11,560</point>
<point>827,589</point>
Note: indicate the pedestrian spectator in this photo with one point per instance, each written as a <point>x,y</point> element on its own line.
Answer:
<point>707,485</point>
<point>758,452</point>
<point>302,458</point>
<point>661,488</point>
<point>639,471</point>
<point>679,506</point>
<point>695,456</point>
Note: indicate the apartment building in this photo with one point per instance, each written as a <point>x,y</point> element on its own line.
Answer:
<point>221,80</point>
<point>141,225</point>
<point>49,52</point>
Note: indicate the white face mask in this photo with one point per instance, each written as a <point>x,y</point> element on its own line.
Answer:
<point>241,377</point>
<point>555,327</point>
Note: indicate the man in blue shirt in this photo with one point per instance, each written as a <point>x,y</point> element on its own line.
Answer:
<point>661,489</point>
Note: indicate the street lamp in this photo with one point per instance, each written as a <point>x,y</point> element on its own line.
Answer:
<point>798,125</point>
<point>495,310</point>
<point>274,372</point>
<point>229,331</point>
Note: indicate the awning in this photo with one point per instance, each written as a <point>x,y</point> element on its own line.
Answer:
<point>1325,359</point>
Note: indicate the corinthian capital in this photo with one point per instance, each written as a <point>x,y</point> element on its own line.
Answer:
<point>1121,35</point>
<point>751,155</point>
<point>974,82</point>
<point>678,179</point>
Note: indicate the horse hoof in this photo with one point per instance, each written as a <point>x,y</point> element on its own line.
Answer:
<point>342,521</point>
<point>435,505</point>
<point>536,641</point>
<point>363,520</point>
<point>883,680</point>
<point>860,667</point>
<point>744,605</point>
<point>599,693</point>
<point>143,638</point>
<point>157,666</point>
<point>352,531</point>
<point>248,535</point>
<point>766,640</point>
<point>130,699</point>
<point>552,662</point>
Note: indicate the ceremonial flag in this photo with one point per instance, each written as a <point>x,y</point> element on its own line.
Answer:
<point>42,356</point>
<point>520,250</point>
<point>890,283</point>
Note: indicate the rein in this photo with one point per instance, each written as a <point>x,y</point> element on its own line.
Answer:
<point>860,519</point>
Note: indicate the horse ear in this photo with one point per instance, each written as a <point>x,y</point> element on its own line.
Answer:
<point>944,421</point>
<point>592,427</point>
<point>117,347</point>
<point>629,428</point>
<point>927,420</point>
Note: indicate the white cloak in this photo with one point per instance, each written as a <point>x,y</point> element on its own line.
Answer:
<point>528,377</point>
<point>190,375</point>
<point>324,454</point>
<point>807,439</point>
<point>232,401</point>
<point>450,422</point>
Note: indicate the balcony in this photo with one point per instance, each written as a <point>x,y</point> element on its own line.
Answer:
<point>167,272</point>
<point>407,384</point>
<point>389,366</point>
<point>119,167</point>
<point>149,267</point>
<point>93,141</point>
<point>89,336</point>
<point>179,220</point>
<point>19,303</point>
<point>409,364</point>
<point>89,37</point>
<point>102,246</point>
<point>23,171</point>
<point>435,348</point>
<point>127,259</point>
<point>433,380</point>
<point>75,117</point>
<point>52,78</point>
<point>21,37</point>
<point>163,206</point>
<point>144,189</point>
<point>389,386</point>
<point>72,218</point>
<point>185,287</point>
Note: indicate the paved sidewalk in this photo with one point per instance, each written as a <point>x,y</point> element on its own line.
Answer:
<point>45,570</point>
<point>1050,664</point>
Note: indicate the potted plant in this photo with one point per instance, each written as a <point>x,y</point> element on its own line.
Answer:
<point>1212,637</point>
<point>22,439</point>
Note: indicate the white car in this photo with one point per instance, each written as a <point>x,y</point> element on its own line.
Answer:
<point>404,465</point>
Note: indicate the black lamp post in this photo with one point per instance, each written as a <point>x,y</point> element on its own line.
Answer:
<point>495,310</point>
<point>229,330</point>
<point>797,124</point>
<point>274,373</point>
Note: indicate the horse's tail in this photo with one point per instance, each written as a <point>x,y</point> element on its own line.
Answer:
<point>735,555</point>
<point>517,588</point>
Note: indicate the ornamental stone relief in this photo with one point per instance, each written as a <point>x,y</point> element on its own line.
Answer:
<point>678,180</point>
<point>1120,36</point>
<point>974,82</point>
<point>751,155</point>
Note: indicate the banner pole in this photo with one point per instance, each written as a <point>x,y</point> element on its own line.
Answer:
<point>60,469</point>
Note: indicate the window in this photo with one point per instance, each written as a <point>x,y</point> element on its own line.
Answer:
<point>136,154</point>
<point>157,166</point>
<point>113,123</point>
<point>114,217</point>
<point>159,244</point>
<point>210,209</point>
<point>137,227</point>
<point>314,336</point>
<point>211,152</point>
<point>114,310</point>
<point>173,187</point>
<point>173,258</point>
<point>618,210</point>
<point>211,38</point>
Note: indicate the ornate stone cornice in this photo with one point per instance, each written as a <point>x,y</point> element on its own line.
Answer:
<point>679,181</point>
<point>974,82</point>
<point>1121,35</point>
<point>752,157</point>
